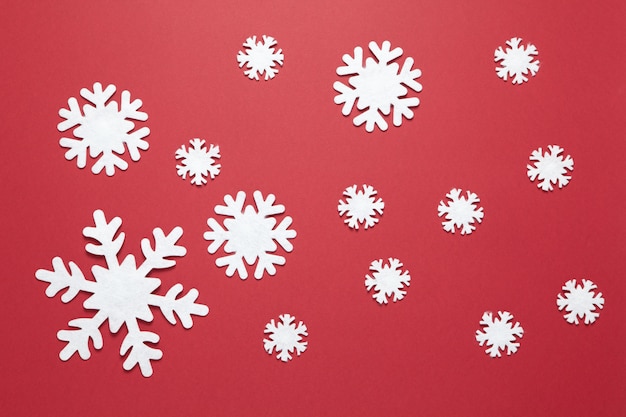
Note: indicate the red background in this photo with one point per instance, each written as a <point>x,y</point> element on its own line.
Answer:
<point>417,357</point>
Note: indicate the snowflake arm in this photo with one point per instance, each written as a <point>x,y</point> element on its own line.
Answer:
<point>499,333</point>
<point>516,62</point>
<point>164,247</point>
<point>360,206</point>
<point>60,278</point>
<point>86,329</point>
<point>260,57</point>
<point>139,353</point>
<point>387,280</point>
<point>550,167</point>
<point>460,212</point>
<point>184,307</point>
<point>285,337</point>
<point>580,301</point>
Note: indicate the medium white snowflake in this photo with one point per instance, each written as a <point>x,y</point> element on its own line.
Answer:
<point>517,61</point>
<point>460,212</point>
<point>378,86</point>
<point>360,206</point>
<point>499,333</point>
<point>387,280</point>
<point>260,57</point>
<point>550,167</point>
<point>104,129</point>
<point>198,162</point>
<point>121,293</point>
<point>580,301</point>
<point>250,235</point>
<point>285,337</point>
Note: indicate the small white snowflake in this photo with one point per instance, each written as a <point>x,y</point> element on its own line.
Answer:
<point>517,61</point>
<point>260,57</point>
<point>460,212</point>
<point>387,280</point>
<point>550,167</point>
<point>580,301</point>
<point>285,337</point>
<point>122,293</point>
<point>378,86</point>
<point>198,162</point>
<point>250,235</point>
<point>499,333</point>
<point>360,206</point>
<point>104,129</point>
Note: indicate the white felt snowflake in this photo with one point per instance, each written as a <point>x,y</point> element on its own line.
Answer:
<point>580,301</point>
<point>198,162</point>
<point>285,337</point>
<point>378,86</point>
<point>103,128</point>
<point>360,206</point>
<point>250,235</point>
<point>387,280</point>
<point>516,61</point>
<point>122,293</point>
<point>550,167</point>
<point>260,57</point>
<point>500,333</point>
<point>460,212</point>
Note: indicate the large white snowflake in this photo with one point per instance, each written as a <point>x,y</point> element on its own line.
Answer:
<point>260,57</point>
<point>122,293</point>
<point>104,129</point>
<point>499,333</point>
<point>580,301</point>
<point>360,206</point>
<point>387,280</point>
<point>460,212</point>
<point>516,61</point>
<point>285,337</point>
<point>198,162</point>
<point>378,86</point>
<point>550,167</point>
<point>250,235</point>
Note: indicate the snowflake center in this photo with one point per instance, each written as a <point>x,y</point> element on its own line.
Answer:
<point>361,206</point>
<point>462,211</point>
<point>500,333</point>
<point>551,167</point>
<point>251,234</point>
<point>285,337</point>
<point>517,61</point>
<point>261,56</point>
<point>378,85</point>
<point>105,128</point>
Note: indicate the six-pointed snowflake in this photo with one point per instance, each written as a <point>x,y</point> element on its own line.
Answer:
<point>378,86</point>
<point>580,301</point>
<point>260,57</point>
<point>103,128</point>
<point>460,212</point>
<point>550,167</point>
<point>250,235</point>
<point>387,280</point>
<point>516,61</point>
<point>285,337</point>
<point>198,162</point>
<point>500,333</point>
<point>122,293</point>
<point>360,206</point>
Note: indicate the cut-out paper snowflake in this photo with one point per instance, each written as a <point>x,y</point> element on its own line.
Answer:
<point>387,280</point>
<point>580,301</point>
<point>122,293</point>
<point>499,333</point>
<point>516,61</point>
<point>285,337</point>
<point>460,212</point>
<point>550,167</point>
<point>198,161</point>
<point>378,86</point>
<point>250,235</point>
<point>360,206</point>
<point>260,57</point>
<point>104,129</point>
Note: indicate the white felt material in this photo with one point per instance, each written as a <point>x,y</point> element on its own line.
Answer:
<point>580,301</point>
<point>460,212</point>
<point>260,57</point>
<point>516,61</point>
<point>285,337</point>
<point>122,293</point>
<point>250,235</point>
<point>198,162</point>
<point>550,168</point>
<point>360,207</point>
<point>499,333</point>
<point>378,86</point>
<point>103,129</point>
<point>387,279</point>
